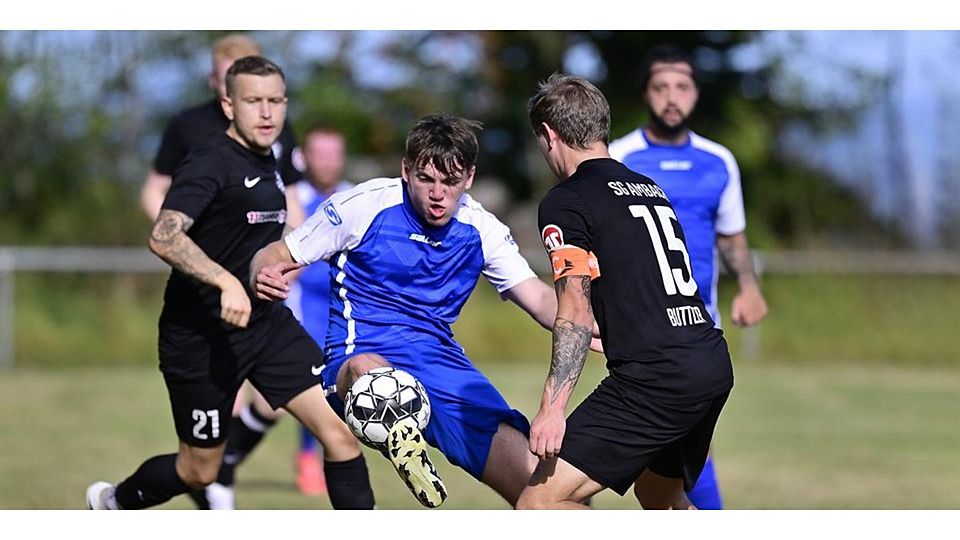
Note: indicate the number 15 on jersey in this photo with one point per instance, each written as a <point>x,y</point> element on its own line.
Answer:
<point>673,278</point>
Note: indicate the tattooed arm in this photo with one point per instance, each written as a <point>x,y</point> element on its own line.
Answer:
<point>571,339</point>
<point>170,242</point>
<point>749,306</point>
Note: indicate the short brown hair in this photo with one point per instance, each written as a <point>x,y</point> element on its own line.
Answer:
<point>447,141</point>
<point>251,65</point>
<point>574,108</point>
<point>233,46</point>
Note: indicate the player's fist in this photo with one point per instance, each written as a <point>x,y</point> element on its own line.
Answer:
<point>546,433</point>
<point>234,303</point>
<point>748,307</point>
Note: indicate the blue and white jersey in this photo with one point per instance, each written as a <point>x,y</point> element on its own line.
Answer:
<point>702,181</point>
<point>309,296</point>
<point>397,281</point>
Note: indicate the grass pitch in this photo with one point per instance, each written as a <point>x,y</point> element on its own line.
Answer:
<point>853,436</point>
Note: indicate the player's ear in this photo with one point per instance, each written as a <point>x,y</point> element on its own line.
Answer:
<point>227,105</point>
<point>405,169</point>
<point>550,136</point>
<point>469,180</point>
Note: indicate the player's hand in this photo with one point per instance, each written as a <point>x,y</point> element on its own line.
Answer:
<point>748,307</point>
<point>272,281</point>
<point>596,345</point>
<point>546,433</point>
<point>234,303</point>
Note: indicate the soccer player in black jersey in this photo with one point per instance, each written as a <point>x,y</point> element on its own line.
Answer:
<point>618,256</point>
<point>225,203</point>
<point>252,416</point>
<point>191,127</point>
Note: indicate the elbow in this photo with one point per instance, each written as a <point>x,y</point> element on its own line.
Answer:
<point>579,315</point>
<point>158,247</point>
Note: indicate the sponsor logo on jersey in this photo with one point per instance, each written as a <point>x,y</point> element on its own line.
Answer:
<point>331,212</point>
<point>423,239</point>
<point>552,237</point>
<point>317,370</point>
<point>272,216</point>
<point>676,165</point>
<point>509,239</point>
<point>250,182</point>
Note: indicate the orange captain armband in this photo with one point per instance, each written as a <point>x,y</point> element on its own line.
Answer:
<point>574,261</point>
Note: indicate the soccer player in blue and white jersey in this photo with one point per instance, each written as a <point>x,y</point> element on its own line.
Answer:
<point>702,180</point>
<point>405,254</point>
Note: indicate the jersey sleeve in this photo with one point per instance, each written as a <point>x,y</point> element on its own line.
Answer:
<point>503,265</point>
<point>193,188</point>
<point>730,214</point>
<point>337,225</point>
<point>172,149</point>
<point>564,222</point>
<point>565,230</point>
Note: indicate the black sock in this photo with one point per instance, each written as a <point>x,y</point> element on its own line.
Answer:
<point>155,482</point>
<point>348,484</point>
<point>246,431</point>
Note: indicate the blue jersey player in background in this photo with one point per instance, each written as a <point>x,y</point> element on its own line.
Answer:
<point>405,254</point>
<point>702,181</point>
<point>324,155</point>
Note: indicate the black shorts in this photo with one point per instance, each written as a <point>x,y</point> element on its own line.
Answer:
<point>205,365</point>
<point>617,432</point>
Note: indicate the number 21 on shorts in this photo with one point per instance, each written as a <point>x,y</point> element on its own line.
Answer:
<point>202,419</point>
<point>673,279</point>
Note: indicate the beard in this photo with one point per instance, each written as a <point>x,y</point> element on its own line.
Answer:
<point>665,130</point>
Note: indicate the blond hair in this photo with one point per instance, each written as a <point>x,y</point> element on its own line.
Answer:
<point>235,46</point>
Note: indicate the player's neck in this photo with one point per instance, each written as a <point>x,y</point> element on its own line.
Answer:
<point>666,139</point>
<point>573,157</point>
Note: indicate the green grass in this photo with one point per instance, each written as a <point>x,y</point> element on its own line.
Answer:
<point>112,320</point>
<point>817,436</point>
<point>850,401</point>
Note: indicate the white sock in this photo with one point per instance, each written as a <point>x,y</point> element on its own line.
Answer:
<point>221,497</point>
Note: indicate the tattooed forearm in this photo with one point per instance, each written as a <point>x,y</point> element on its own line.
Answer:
<point>171,243</point>
<point>736,254</point>
<point>570,344</point>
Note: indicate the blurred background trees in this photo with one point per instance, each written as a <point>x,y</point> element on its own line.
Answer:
<point>82,114</point>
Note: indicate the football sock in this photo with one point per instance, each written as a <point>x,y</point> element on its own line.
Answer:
<point>155,482</point>
<point>246,432</point>
<point>348,484</point>
<point>308,443</point>
<point>705,494</point>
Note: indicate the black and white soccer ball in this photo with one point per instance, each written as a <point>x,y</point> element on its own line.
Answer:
<point>379,399</point>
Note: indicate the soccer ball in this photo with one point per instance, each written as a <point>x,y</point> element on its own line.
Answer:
<point>379,399</point>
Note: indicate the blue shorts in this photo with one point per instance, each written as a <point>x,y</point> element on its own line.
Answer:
<point>465,408</point>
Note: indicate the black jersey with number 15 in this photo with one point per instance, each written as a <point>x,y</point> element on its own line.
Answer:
<point>655,329</point>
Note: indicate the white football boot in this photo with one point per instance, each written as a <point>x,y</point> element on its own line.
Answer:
<point>407,450</point>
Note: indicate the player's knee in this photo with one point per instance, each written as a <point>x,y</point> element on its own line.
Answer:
<point>364,362</point>
<point>531,500</point>
<point>199,475</point>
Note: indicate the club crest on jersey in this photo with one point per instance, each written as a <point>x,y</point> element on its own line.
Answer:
<point>332,216</point>
<point>552,237</point>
